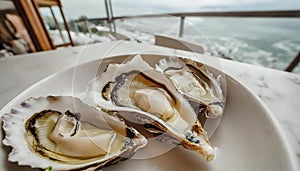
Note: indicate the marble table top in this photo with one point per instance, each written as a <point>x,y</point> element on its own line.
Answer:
<point>278,89</point>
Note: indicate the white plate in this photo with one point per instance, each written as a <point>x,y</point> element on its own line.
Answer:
<point>248,137</point>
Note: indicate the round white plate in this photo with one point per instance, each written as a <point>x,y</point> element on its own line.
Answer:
<point>248,137</point>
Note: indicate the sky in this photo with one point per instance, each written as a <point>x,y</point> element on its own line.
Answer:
<point>73,9</point>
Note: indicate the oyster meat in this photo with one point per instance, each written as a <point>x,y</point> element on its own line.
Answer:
<point>196,83</point>
<point>145,96</point>
<point>66,134</point>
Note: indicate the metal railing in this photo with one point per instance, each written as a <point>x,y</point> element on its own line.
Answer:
<point>259,14</point>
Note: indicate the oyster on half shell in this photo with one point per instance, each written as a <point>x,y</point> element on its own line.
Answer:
<point>196,83</point>
<point>145,96</point>
<point>66,134</point>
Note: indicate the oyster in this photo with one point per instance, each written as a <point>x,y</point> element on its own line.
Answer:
<point>66,134</point>
<point>147,99</point>
<point>196,83</point>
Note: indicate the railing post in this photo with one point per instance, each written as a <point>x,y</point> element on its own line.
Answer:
<point>181,26</point>
<point>110,18</point>
<point>294,63</point>
<point>107,15</point>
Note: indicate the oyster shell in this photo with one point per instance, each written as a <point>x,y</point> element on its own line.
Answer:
<point>145,96</point>
<point>196,83</point>
<point>66,134</point>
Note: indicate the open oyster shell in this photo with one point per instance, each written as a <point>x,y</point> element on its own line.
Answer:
<point>147,99</point>
<point>196,83</point>
<point>66,134</point>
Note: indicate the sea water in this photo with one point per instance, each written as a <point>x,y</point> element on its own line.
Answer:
<point>268,42</point>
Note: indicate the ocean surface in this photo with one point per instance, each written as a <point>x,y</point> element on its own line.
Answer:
<point>269,42</point>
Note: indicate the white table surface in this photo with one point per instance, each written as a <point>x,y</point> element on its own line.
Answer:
<point>278,89</point>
